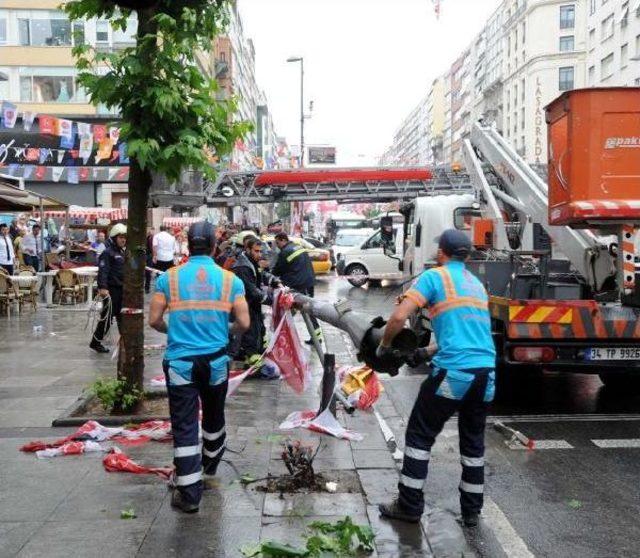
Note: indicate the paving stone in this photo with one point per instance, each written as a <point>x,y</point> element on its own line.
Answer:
<point>373,459</point>
<point>379,485</point>
<point>88,539</point>
<point>313,504</point>
<point>14,535</point>
<point>396,538</point>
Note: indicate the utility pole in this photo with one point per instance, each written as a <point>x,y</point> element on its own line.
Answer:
<point>301,60</point>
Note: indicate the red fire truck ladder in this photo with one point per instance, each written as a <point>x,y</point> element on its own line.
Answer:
<point>342,185</point>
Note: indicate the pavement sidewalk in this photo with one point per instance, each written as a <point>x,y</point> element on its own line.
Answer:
<point>70,505</point>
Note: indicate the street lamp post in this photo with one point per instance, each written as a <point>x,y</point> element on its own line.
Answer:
<point>301,60</point>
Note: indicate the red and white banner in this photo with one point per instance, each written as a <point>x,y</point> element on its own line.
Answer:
<point>324,423</point>
<point>71,448</point>
<point>286,354</point>
<point>118,462</point>
<point>115,213</point>
<point>180,221</point>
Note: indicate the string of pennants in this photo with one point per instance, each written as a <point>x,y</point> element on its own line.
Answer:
<point>81,144</point>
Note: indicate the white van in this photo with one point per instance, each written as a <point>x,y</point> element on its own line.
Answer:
<point>369,262</point>
<point>349,238</point>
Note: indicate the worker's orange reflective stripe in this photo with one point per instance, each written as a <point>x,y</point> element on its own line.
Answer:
<point>159,297</point>
<point>449,289</point>
<point>200,305</point>
<point>459,302</point>
<point>174,291</point>
<point>227,280</point>
<point>416,297</point>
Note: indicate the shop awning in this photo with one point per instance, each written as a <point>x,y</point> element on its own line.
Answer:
<point>13,198</point>
<point>92,213</point>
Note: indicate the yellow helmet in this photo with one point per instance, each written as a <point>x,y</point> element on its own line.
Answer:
<point>118,229</point>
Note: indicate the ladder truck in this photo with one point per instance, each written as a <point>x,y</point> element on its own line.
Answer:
<point>559,257</point>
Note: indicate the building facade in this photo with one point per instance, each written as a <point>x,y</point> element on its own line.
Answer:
<point>613,43</point>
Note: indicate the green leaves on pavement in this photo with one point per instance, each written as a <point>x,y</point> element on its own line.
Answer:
<point>343,538</point>
<point>128,514</point>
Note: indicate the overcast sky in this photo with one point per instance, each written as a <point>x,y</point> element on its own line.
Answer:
<point>367,63</point>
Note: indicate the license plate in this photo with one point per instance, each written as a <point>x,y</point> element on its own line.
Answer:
<point>613,353</point>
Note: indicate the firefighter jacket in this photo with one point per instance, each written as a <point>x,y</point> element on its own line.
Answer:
<point>294,268</point>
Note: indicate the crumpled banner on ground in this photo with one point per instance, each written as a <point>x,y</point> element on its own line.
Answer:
<point>361,386</point>
<point>117,462</point>
<point>158,430</point>
<point>286,353</point>
<point>324,423</point>
<point>71,448</point>
<point>282,302</point>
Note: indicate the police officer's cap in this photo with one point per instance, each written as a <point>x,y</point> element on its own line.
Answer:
<point>201,237</point>
<point>455,243</point>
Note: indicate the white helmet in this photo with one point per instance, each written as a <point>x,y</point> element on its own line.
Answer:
<point>118,229</point>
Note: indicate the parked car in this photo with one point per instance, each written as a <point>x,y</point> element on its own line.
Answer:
<point>348,238</point>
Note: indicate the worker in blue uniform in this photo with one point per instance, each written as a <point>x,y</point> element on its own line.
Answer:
<point>462,377</point>
<point>199,298</point>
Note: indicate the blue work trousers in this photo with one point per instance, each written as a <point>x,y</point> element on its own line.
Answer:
<point>466,392</point>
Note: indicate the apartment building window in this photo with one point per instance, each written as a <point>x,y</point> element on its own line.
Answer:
<point>624,56</point>
<point>606,66</point>
<point>50,85</point>
<point>624,14</point>
<point>592,75</point>
<point>606,28</point>
<point>524,31</point>
<point>522,121</point>
<point>592,7</point>
<point>4,83</point>
<point>45,29</point>
<point>522,90</point>
<point>567,43</point>
<point>567,17</point>
<point>3,30</point>
<point>637,45</point>
<point>592,38</point>
<point>102,31</point>
<point>565,78</point>
<point>78,33</point>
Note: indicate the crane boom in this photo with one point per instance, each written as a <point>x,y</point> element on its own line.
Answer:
<point>521,189</point>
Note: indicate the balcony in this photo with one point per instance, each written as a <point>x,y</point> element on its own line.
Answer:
<point>513,17</point>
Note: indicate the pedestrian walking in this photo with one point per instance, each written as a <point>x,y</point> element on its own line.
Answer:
<point>7,253</point>
<point>164,249</point>
<point>462,378</point>
<point>199,298</point>
<point>110,282</point>
<point>294,268</point>
<point>247,269</point>
<point>31,247</point>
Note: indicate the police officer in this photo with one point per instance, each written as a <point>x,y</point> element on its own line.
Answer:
<point>295,270</point>
<point>110,281</point>
<point>247,269</point>
<point>199,298</point>
<point>462,377</point>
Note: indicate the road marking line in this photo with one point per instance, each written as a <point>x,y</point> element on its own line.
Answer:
<point>618,443</point>
<point>541,445</point>
<point>509,540</point>
<point>565,418</point>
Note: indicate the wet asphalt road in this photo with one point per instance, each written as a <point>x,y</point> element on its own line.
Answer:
<point>580,497</point>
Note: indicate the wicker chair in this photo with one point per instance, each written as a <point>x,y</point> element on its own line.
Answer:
<point>29,292</point>
<point>9,294</point>
<point>67,287</point>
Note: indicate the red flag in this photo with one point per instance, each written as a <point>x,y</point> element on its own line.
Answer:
<point>41,172</point>
<point>33,154</point>
<point>84,173</point>
<point>123,173</point>
<point>48,125</point>
<point>99,133</point>
<point>119,462</point>
<point>285,352</point>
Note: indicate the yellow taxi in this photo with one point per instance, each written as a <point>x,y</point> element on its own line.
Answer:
<point>320,259</point>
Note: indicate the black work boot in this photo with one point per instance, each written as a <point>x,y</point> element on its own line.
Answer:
<point>395,511</point>
<point>178,501</point>
<point>470,519</point>
<point>98,347</point>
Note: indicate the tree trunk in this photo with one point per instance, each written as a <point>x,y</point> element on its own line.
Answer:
<point>131,349</point>
<point>131,354</point>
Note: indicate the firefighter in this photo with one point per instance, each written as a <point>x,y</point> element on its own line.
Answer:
<point>247,269</point>
<point>110,281</point>
<point>199,298</point>
<point>462,378</point>
<point>294,268</point>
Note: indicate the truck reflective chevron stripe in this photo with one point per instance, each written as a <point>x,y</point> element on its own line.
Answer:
<point>472,488</point>
<point>415,453</point>
<point>295,254</point>
<point>533,313</point>
<point>627,241</point>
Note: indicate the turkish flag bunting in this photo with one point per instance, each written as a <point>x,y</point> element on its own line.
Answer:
<point>48,125</point>
<point>286,353</point>
<point>84,173</point>
<point>41,172</point>
<point>99,133</point>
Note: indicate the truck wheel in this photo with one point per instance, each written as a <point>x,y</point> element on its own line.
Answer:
<point>357,275</point>
<point>619,381</point>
